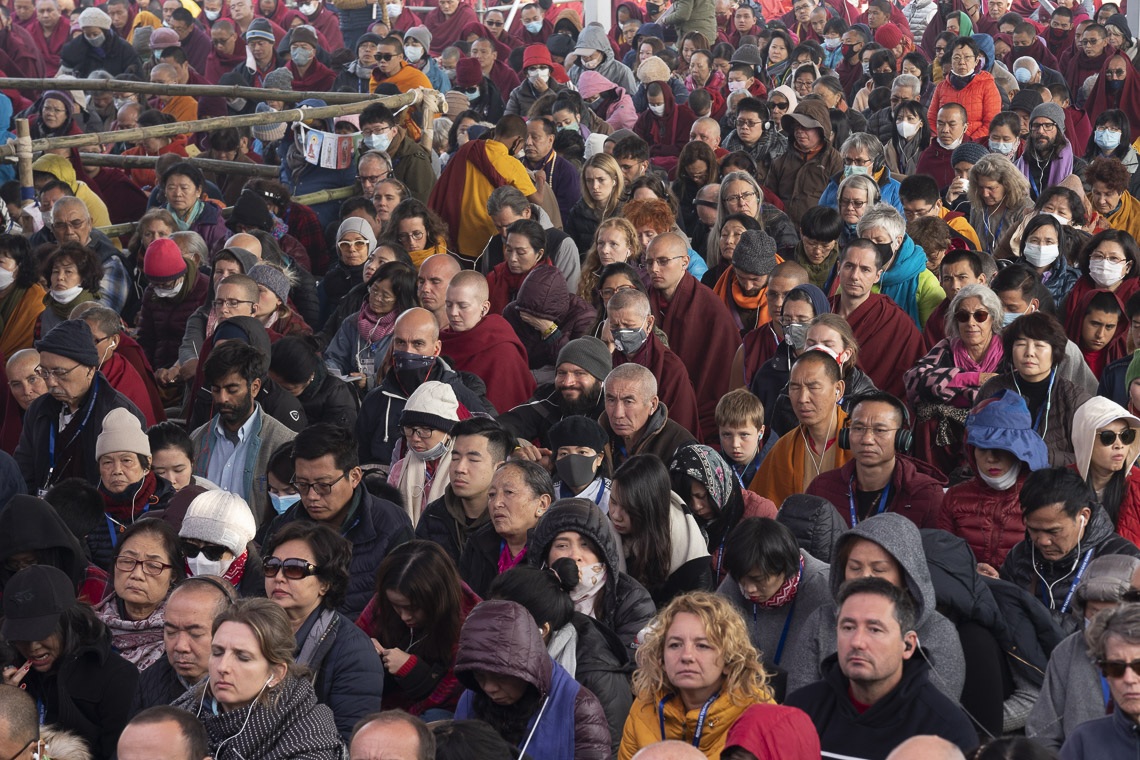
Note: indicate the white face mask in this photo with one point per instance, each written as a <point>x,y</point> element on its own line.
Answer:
<point>1041,255</point>
<point>907,129</point>
<point>394,10</point>
<point>1106,273</point>
<point>657,110</point>
<point>212,15</point>
<point>309,8</point>
<point>1003,482</point>
<point>413,53</point>
<point>952,145</point>
<point>201,566</point>
<point>170,292</point>
<point>6,278</point>
<point>591,581</point>
<point>1060,218</point>
<point>540,74</point>
<point>66,296</point>
<point>736,86</point>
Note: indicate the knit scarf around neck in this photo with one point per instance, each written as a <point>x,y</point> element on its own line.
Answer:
<point>817,273</point>
<point>63,310</point>
<point>372,327</point>
<point>990,359</point>
<point>786,592</point>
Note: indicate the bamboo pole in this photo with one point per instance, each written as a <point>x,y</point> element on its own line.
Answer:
<point>193,90</point>
<point>394,102</point>
<point>24,158</point>
<point>205,164</point>
<point>309,199</point>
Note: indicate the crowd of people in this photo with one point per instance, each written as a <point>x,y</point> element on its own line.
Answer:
<point>716,378</point>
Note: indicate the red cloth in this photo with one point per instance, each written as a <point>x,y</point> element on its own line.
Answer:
<point>1128,523</point>
<point>319,78</point>
<point>674,387</point>
<point>49,47</point>
<point>935,161</point>
<point>1084,290</point>
<point>478,29</point>
<point>218,64</point>
<point>1127,100</point>
<point>125,201</point>
<point>1037,51</point>
<point>669,133</point>
<point>328,24</point>
<point>494,352</point>
<point>898,19</point>
<point>980,98</point>
<point>916,490</point>
<point>17,42</point>
<point>1077,68</point>
<point>759,346</point>
<point>889,341</point>
<point>989,521</point>
<point>936,324</point>
<point>447,30</point>
<point>449,205</point>
<point>504,285</point>
<point>1078,128</point>
<point>126,380</point>
<point>702,333</point>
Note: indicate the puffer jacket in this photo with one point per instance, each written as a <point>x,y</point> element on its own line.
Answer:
<point>815,522</point>
<point>329,399</point>
<point>620,114</point>
<point>918,14</point>
<point>980,98</point>
<point>900,538</point>
<point>626,606</point>
<point>568,723</point>
<point>800,180</point>
<point>291,724</point>
<point>1032,573</point>
<point>162,321</point>
<point>916,489</point>
<point>989,520</point>
<point>1065,399</point>
<point>544,294</point>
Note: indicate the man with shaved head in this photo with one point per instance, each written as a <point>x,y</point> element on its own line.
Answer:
<point>415,359</point>
<point>245,241</point>
<point>760,344</point>
<point>23,382</point>
<point>635,419</point>
<point>926,747</point>
<point>485,344</point>
<point>700,328</point>
<point>630,326</point>
<point>431,284</point>
<point>670,750</point>
<point>181,107</point>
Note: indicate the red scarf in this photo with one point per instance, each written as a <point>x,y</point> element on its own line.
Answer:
<point>131,504</point>
<point>786,592</point>
<point>236,569</point>
<point>373,327</point>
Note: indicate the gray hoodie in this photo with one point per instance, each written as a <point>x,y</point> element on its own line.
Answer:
<point>937,636</point>
<point>1070,696</point>
<point>593,36</point>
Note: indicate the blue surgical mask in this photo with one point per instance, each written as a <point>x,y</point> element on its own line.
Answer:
<point>534,27</point>
<point>1022,75</point>
<point>378,142</point>
<point>1107,138</point>
<point>1004,148</point>
<point>851,171</point>
<point>1009,317</point>
<point>281,504</point>
<point>301,56</point>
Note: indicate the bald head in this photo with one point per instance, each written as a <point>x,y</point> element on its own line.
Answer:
<point>432,281</point>
<point>467,301</point>
<point>667,259</point>
<point>23,382</point>
<point>629,300</point>
<point>670,750</point>
<point>786,277</point>
<point>164,73</point>
<point>417,332</point>
<point>245,241</point>
<point>926,748</point>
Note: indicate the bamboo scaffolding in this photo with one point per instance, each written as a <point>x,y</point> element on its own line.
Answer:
<point>193,90</point>
<point>205,164</point>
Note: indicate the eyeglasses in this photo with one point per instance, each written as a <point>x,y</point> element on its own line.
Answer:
<point>1109,437</point>
<point>54,373</point>
<point>371,179</point>
<point>492,24</point>
<point>848,203</point>
<point>1043,127</point>
<point>322,489</point>
<point>740,197</point>
<point>417,431</point>
<point>228,303</point>
<point>979,316</point>
<point>858,431</point>
<point>660,262</point>
<point>857,161</point>
<point>151,567</point>
<point>385,56</point>
<point>417,236</point>
<point>747,123</point>
<point>1115,73</point>
<point>1116,668</point>
<point>608,293</point>
<point>293,568</point>
<point>75,225</point>
<point>1096,256</point>
<point>1089,42</point>
<point>963,59</point>
<point>213,552</point>
<point>353,245</point>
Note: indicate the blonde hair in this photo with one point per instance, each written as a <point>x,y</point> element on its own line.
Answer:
<point>61,744</point>
<point>739,407</point>
<point>610,166</point>
<point>1001,170</point>
<point>592,266</point>
<point>745,680</point>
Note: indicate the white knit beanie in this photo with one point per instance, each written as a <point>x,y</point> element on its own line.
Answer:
<point>122,431</point>
<point>221,518</point>
<point>432,404</point>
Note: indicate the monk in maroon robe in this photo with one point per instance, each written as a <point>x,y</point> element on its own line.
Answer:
<point>700,329</point>
<point>328,24</point>
<point>485,344</point>
<point>50,41</point>
<point>219,62</point>
<point>446,23</point>
<point>889,341</point>
<point>17,42</point>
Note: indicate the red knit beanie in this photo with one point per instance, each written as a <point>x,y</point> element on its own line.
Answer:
<point>163,260</point>
<point>889,36</point>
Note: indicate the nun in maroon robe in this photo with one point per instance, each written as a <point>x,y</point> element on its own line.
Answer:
<point>1127,98</point>
<point>492,351</point>
<point>49,47</point>
<point>1079,67</point>
<point>668,133</point>
<point>674,387</point>
<point>17,42</point>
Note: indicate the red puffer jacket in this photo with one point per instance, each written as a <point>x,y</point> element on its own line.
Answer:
<point>162,321</point>
<point>990,521</point>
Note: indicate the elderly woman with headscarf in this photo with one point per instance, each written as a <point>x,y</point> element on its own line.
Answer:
<point>422,476</point>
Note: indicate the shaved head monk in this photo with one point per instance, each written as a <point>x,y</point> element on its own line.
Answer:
<point>635,419</point>
<point>485,344</point>
<point>246,242</point>
<point>760,344</point>
<point>432,281</point>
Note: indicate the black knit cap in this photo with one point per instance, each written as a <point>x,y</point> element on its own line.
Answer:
<point>72,339</point>
<point>251,211</point>
<point>590,354</point>
<point>577,430</point>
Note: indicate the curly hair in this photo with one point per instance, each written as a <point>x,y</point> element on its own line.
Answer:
<point>592,266</point>
<point>745,680</point>
<point>84,259</point>
<point>410,208</point>
<point>654,213</point>
<point>1000,169</point>
<point>1110,172</point>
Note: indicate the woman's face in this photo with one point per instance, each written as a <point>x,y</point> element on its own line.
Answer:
<point>869,560</point>
<point>381,297</point>
<point>461,133</point>
<point>991,191</point>
<point>975,334</point>
<point>612,285</point>
<point>172,465</point>
<point>1110,458</point>
<point>353,249</point>
<point>802,84</point>
<point>299,598</point>
<point>852,204</point>
<point>410,615</point>
<point>729,238</point>
<point>777,51</point>
<point>1044,235</point>
<point>412,234</point>
<point>267,302</point>
<point>1105,199</point>
<point>54,113</point>
<point>691,661</point>
<point>687,50</point>
<point>573,545</point>
<point>223,269</point>
<point>64,275</point>
<point>41,655</point>
<point>520,254</point>
<point>910,68</point>
<point>644,194</point>
<point>382,255</point>
<point>181,193</point>
<point>599,184</point>
<point>822,335</point>
<point>513,507</point>
<point>613,246</point>
<point>1003,134</point>
<point>239,671</point>
<point>119,470</point>
<point>757,587</point>
<point>699,69</point>
<point>137,587</point>
<point>499,688</point>
<point>153,230</point>
<point>700,501</point>
<point>423,439</point>
<point>1058,206</point>
<point>619,517</point>
<point>994,463</point>
<point>644,52</point>
<point>698,172</point>
<point>1033,359</point>
<point>740,198</point>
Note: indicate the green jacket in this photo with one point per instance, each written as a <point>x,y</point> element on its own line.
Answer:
<point>692,16</point>
<point>411,164</point>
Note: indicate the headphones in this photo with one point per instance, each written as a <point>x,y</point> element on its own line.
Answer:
<point>879,162</point>
<point>903,436</point>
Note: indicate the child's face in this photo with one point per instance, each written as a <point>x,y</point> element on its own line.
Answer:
<point>741,443</point>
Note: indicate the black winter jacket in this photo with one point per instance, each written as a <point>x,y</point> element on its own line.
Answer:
<point>815,522</point>
<point>443,522</point>
<point>329,399</point>
<point>158,685</point>
<point>604,667</point>
<point>532,421</point>
<point>115,56</point>
<point>479,562</point>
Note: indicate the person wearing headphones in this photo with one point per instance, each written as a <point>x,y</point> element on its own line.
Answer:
<point>878,691</point>
<point>880,477</point>
<point>1066,528</point>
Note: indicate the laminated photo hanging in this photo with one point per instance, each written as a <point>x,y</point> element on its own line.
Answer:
<point>326,149</point>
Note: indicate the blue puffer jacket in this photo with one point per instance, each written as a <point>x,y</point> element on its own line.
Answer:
<point>888,189</point>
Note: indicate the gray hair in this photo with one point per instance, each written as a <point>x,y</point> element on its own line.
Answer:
<point>192,245</point>
<point>908,80</point>
<point>990,302</point>
<point>1122,622</point>
<point>712,248</point>
<point>632,299</point>
<point>884,216</point>
<point>860,182</point>
<point>868,142</point>
<point>535,476</point>
<point>634,373</point>
<point>107,320</point>
<point>1026,62</point>
<point>376,155</point>
<point>506,197</point>
<point>71,200</point>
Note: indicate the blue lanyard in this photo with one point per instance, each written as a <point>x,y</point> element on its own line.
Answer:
<point>74,438</point>
<point>42,709</point>
<point>788,620</point>
<point>851,500</point>
<point>700,718</point>
<point>1073,587</point>
<point>1108,706</point>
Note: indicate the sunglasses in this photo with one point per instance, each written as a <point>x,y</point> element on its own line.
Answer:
<point>1116,668</point>
<point>1109,437</point>
<point>293,568</point>
<point>385,56</point>
<point>213,552</point>
<point>979,316</point>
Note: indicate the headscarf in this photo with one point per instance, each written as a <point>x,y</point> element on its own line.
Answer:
<point>706,466</point>
<point>1127,100</point>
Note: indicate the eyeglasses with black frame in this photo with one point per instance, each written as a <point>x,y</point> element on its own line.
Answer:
<point>151,567</point>
<point>213,552</point>
<point>323,489</point>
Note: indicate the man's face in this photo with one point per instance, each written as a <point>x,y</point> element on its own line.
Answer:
<point>876,17</point>
<point>1044,132</point>
<point>531,16</point>
<point>999,8</point>
<point>813,394</point>
<point>539,142</point>
<point>802,10</point>
<point>778,288</point>
<point>118,14</point>
<point>749,127</point>
<point>168,9</point>
<point>858,272</point>
<point>396,740</point>
<point>807,139</point>
<point>186,631</point>
<point>223,41</point>
<point>262,51</point>
<point>744,19</point>
<point>666,266</point>
<point>66,380</point>
<point>873,425</point>
<point>577,388</point>
<point>628,407</point>
<point>484,53</point>
<point>431,284</point>
<point>471,467</point>
<point>24,9</point>
<point>1054,534</point>
<point>23,382</point>
<point>71,223</point>
<point>1097,329</point>
<point>233,399</point>
<point>916,209</point>
<point>465,307</point>
<point>631,168</point>
<point>47,12</point>
<point>241,10</point>
<point>951,126</point>
<point>389,59</point>
<point>1093,42</point>
<point>146,742</point>
<point>871,646</point>
<point>957,276</point>
<point>707,133</point>
<point>181,28</point>
<point>415,338</point>
<point>315,476</point>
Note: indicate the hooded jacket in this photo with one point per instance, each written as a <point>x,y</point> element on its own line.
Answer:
<point>668,133</point>
<point>60,168</point>
<point>618,113</point>
<point>568,723</point>
<point>799,180</point>
<point>29,524</point>
<point>937,636</point>
<point>544,294</point>
<point>915,489</point>
<point>815,522</point>
<point>1094,414</point>
<point>1066,399</point>
<point>444,522</point>
<point>593,36</point>
<point>626,606</point>
<point>774,732</point>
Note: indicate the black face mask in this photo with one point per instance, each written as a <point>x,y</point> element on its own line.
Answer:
<point>411,369</point>
<point>883,78</point>
<point>886,251</point>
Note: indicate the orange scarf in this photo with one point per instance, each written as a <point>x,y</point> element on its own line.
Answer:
<point>727,284</point>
